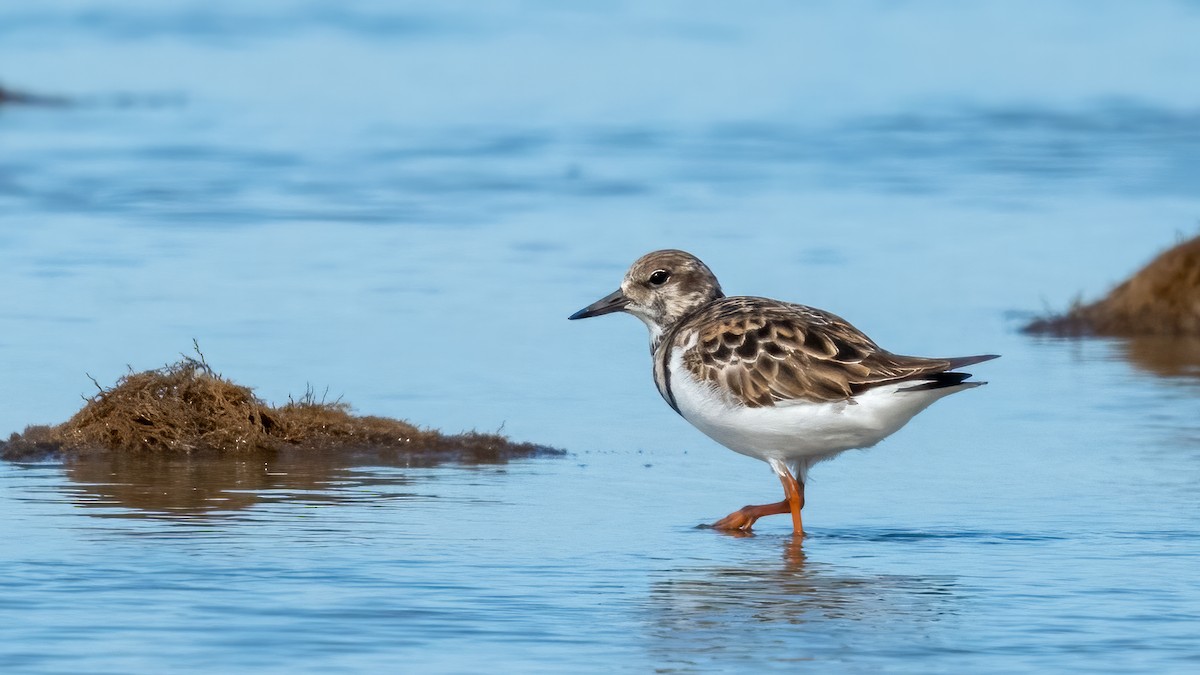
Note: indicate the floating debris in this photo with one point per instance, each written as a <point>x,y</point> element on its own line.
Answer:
<point>186,408</point>
<point>1162,299</point>
<point>14,97</point>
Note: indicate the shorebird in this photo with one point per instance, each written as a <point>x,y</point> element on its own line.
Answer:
<point>785,383</point>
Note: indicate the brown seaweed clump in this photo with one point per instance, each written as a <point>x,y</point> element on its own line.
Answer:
<point>1162,299</point>
<point>185,408</point>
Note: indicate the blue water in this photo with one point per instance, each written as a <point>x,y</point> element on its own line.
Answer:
<point>403,203</point>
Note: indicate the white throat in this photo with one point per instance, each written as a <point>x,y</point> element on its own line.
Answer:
<point>656,331</point>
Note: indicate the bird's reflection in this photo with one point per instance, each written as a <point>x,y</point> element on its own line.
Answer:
<point>786,607</point>
<point>214,487</point>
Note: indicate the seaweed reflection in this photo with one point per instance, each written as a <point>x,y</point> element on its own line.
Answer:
<point>216,487</point>
<point>1165,356</point>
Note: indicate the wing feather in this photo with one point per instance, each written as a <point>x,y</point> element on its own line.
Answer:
<point>769,353</point>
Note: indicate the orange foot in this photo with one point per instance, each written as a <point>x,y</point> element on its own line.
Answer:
<point>743,519</point>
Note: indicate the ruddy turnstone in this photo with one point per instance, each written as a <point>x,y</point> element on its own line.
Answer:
<point>788,384</point>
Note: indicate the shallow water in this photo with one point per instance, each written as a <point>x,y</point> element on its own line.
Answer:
<point>404,204</point>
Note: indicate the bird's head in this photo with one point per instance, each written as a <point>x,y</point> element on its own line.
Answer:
<point>660,288</point>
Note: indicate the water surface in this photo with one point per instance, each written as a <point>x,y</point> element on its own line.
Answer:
<point>403,204</point>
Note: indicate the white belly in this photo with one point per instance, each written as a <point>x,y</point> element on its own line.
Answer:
<point>800,433</point>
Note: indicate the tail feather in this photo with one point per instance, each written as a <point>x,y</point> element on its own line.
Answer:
<point>941,381</point>
<point>960,361</point>
<point>949,378</point>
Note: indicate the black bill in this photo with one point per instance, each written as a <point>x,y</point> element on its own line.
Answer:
<point>613,302</point>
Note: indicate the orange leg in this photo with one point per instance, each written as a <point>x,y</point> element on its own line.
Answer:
<point>793,490</point>
<point>743,519</point>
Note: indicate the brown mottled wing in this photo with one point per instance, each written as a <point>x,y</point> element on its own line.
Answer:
<point>767,352</point>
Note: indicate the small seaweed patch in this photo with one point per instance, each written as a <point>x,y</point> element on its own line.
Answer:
<point>186,407</point>
<point>1161,299</point>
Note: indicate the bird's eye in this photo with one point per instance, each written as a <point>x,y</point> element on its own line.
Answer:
<point>659,277</point>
